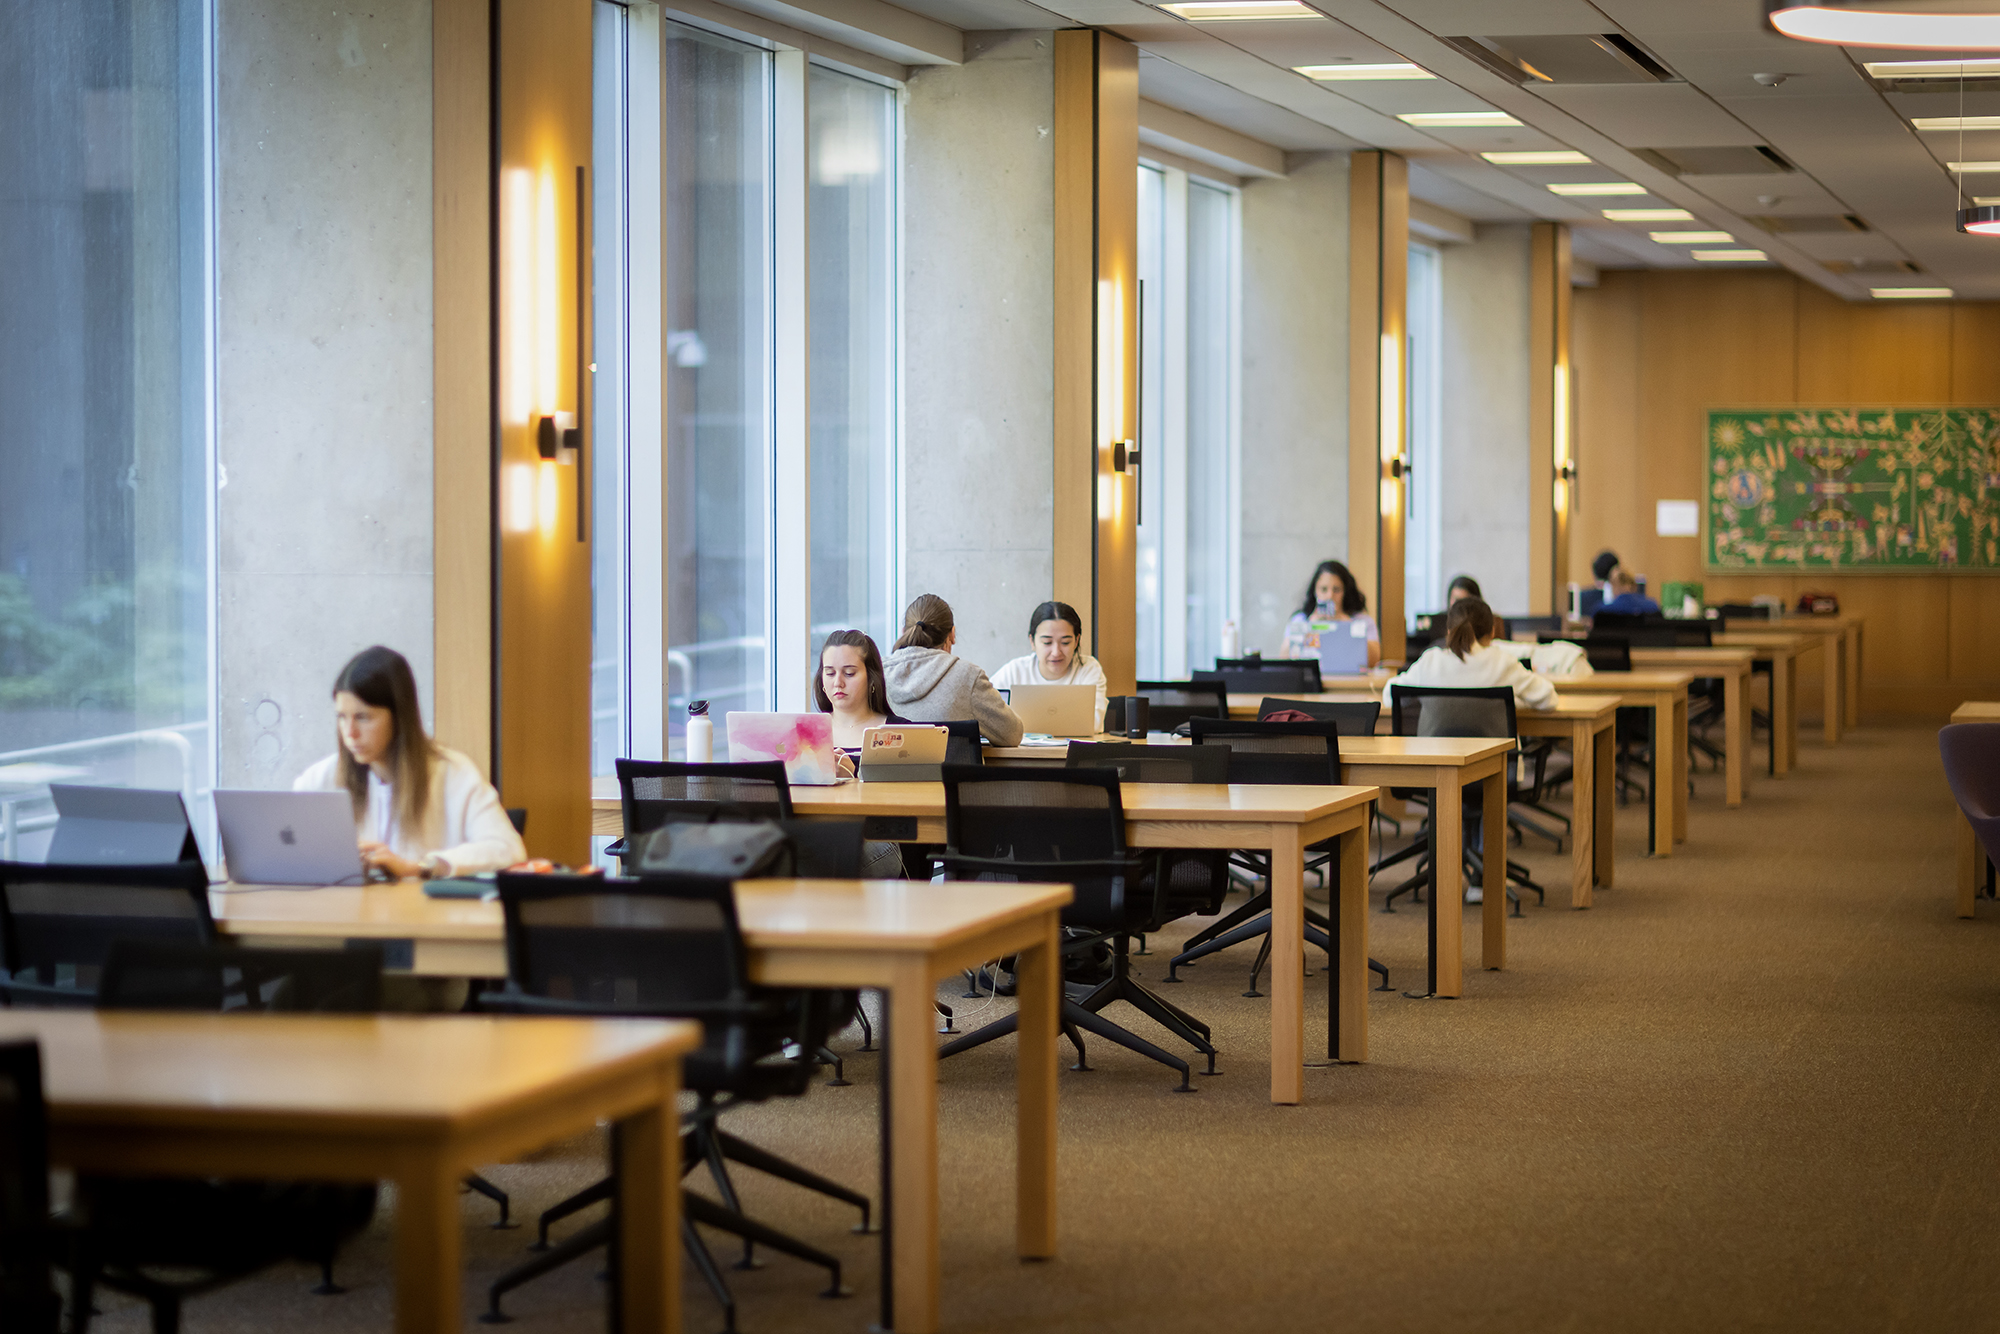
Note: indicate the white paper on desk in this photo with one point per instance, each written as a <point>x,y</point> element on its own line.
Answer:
<point>1043,739</point>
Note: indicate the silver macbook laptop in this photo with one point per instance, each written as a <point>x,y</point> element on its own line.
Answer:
<point>119,826</point>
<point>288,838</point>
<point>1056,710</point>
<point>1343,650</point>
<point>901,753</point>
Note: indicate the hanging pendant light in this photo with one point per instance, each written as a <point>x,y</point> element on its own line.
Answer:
<point>1953,25</point>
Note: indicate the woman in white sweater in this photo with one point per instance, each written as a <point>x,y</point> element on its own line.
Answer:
<point>1056,633</point>
<point>928,683</point>
<point>419,809</point>
<point>1469,657</point>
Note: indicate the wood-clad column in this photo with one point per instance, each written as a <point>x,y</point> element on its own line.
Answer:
<point>1096,341</point>
<point>1551,414</point>
<point>542,629</point>
<point>1377,450</point>
<point>462,378</point>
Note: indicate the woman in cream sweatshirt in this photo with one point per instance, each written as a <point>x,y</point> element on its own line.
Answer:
<point>928,683</point>
<point>1469,657</point>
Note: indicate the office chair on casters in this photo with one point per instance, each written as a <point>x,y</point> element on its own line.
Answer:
<point>1294,675</point>
<point>1971,755</point>
<point>669,947</point>
<point>1069,825</point>
<point>57,923</point>
<point>1269,753</point>
<point>1351,719</point>
<point>1169,704</point>
<point>1483,711</point>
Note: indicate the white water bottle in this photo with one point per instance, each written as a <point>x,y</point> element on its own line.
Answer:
<point>1232,646</point>
<point>700,733</point>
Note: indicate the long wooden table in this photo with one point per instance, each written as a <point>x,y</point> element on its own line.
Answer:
<point>1971,856</point>
<point>1842,640</point>
<point>1587,724</point>
<point>1782,649</point>
<point>1733,665</point>
<point>1280,821</point>
<point>1665,695</point>
<point>419,1100</point>
<point>900,937</point>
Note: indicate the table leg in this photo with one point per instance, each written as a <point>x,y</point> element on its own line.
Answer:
<point>909,1162</point>
<point>1784,722</point>
<point>1734,738</point>
<point>1037,977</point>
<point>1493,853</point>
<point>649,1207</point>
<point>1829,652</point>
<point>1971,866</point>
<point>1605,780</point>
<point>1348,976</point>
<point>1664,769</point>
<point>1288,964</point>
<point>1853,638</point>
<point>427,1249</point>
<point>1680,732</point>
<point>1582,813</point>
<point>1447,917</point>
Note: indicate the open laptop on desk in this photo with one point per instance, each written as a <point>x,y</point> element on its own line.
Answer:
<point>1343,649</point>
<point>902,753</point>
<point>1055,710</point>
<point>119,826</point>
<point>288,838</point>
<point>802,742</point>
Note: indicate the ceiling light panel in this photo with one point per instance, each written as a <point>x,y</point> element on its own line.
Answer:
<point>1238,11</point>
<point>1538,157</point>
<point>1971,167</point>
<point>1729,256</point>
<point>1941,123</point>
<point>1589,189</point>
<point>1910,293</point>
<point>1457,120</point>
<point>1931,69</point>
<point>1692,238</point>
<point>1648,215</point>
<point>1364,73</point>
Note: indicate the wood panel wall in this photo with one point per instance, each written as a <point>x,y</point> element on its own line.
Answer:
<point>542,638</point>
<point>1095,343</point>
<point>1655,350</point>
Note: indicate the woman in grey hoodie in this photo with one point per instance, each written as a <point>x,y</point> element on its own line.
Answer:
<point>930,684</point>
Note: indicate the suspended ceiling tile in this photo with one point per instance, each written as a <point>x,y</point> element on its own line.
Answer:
<point>1849,246</point>
<point>1172,85</point>
<point>1448,193</point>
<point>1796,194</point>
<point>1650,115</point>
<point>1502,18</point>
<point>1289,42</point>
<point>985,15</point>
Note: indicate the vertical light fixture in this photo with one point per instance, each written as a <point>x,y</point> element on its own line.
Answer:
<point>1110,394</point>
<point>517,286</point>
<point>1392,422</point>
<point>1564,466</point>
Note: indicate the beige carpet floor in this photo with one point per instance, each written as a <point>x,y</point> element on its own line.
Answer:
<point>1748,1090</point>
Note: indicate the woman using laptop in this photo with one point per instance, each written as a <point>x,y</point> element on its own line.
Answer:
<point>1470,657</point>
<point>850,686</point>
<point>1055,633</point>
<point>1332,599</point>
<point>419,809</point>
<point>928,683</point>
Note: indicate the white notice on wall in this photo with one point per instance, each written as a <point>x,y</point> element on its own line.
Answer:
<point>1679,518</point>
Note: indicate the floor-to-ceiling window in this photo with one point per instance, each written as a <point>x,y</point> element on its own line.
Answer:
<point>1423,581</point>
<point>1188,540</point>
<point>851,238</point>
<point>105,315</point>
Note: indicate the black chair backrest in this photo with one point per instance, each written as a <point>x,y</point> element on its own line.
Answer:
<point>1664,634</point>
<point>655,792</point>
<point>1357,718</point>
<point>1171,703</point>
<point>1467,711</point>
<point>1743,611</point>
<point>518,817</point>
<point>1532,625</point>
<point>662,945</point>
<point>1605,653</point>
<point>1041,824</point>
<point>1621,622</point>
<point>27,1293</point>
<point>1285,674</point>
<point>826,849</point>
<point>1268,753</point>
<point>1138,763</point>
<point>170,975</point>
<point>57,922</point>
<point>961,743</point>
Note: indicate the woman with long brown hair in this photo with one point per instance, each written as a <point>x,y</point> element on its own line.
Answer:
<point>419,809</point>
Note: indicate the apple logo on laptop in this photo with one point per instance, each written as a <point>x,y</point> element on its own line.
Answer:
<point>286,837</point>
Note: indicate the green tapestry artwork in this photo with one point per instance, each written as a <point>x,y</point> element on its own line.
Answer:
<point>1854,488</point>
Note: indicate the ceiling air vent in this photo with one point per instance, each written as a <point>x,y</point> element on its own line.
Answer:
<point>1750,161</point>
<point>1567,58</point>
<point>1897,266</point>
<point>1834,222</point>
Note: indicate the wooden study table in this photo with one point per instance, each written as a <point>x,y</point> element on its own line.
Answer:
<point>1445,766</point>
<point>895,935</point>
<point>1971,856</point>
<point>1665,694</point>
<point>1841,638</point>
<point>1281,821</point>
<point>421,1100</point>
<point>1587,723</point>
<point>1733,665</point>
<point>1782,649</point>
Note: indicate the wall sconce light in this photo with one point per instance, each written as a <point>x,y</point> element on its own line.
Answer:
<point>558,438</point>
<point>533,327</point>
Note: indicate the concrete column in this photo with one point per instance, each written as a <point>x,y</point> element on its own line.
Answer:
<point>1484,475</point>
<point>324,365</point>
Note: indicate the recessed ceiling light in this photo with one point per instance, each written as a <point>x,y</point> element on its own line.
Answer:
<point>1539,157</point>
<point>1729,256</point>
<point>1956,122</point>
<point>1648,215</point>
<point>1910,293</point>
<point>1226,11</point>
<point>1692,238</point>
<point>1363,73</point>
<point>1464,120</point>
<point>1963,167</point>
<point>1931,69</point>
<point>1981,201</point>
<point>1898,29</point>
<point>1585,188</point>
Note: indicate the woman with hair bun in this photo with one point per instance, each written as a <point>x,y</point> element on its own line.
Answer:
<point>928,683</point>
<point>1469,657</point>
<point>1055,634</point>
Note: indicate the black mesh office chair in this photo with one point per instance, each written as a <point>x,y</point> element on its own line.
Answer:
<point>57,922</point>
<point>1169,704</point>
<point>1292,675</point>
<point>28,1244</point>
<point>1350,719</point>
<point>1268,753</point>
<point>1486,711</point>
<point>177,975</point>
<point>1069,825</point>
<point>670,947</point>
<point>1519,626</point>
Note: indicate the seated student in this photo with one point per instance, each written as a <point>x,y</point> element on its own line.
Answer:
<point>849,685</point>
<point>1626,599</point>
<point>1331,597</point>
<point>419,809</point>
<point>1470,657</point>
<point>1465,586</point>
<point>928,683</point>
<point>1056,632</point>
